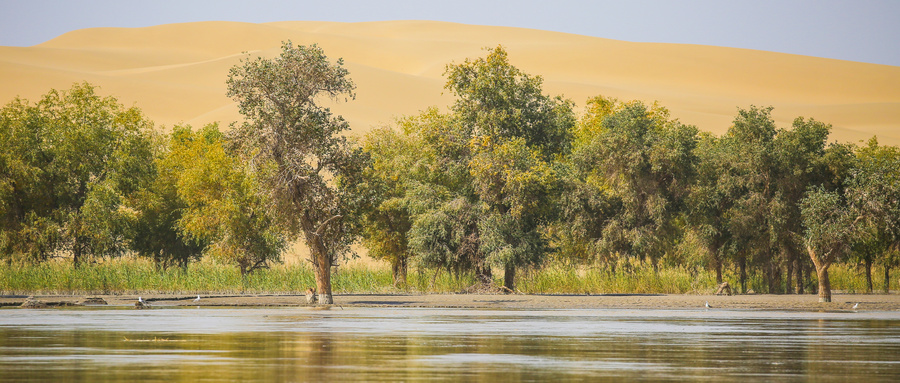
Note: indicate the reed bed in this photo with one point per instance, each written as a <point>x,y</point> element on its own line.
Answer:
<point>139,276</point>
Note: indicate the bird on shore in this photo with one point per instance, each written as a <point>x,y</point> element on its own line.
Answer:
<point>197,299</point>
<point>143,302</point>
<point>708,306</point>
<point>856,305</point>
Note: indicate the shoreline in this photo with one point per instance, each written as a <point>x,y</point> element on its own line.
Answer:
<point>806,302</point>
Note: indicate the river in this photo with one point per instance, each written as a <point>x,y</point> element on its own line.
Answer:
<point>412,344</point>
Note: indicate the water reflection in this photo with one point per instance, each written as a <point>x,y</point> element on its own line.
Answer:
<point>370,344</point>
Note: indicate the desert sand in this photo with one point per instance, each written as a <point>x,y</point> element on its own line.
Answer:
<point>806,302</point>
<point>176,73</point>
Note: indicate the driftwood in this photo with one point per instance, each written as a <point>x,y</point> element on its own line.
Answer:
<point>724,288</point>
<point>487,288</point>
<point>31,303</point>
<point>93,301</point>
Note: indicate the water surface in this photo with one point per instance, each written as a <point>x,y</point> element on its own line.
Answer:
<point>405,344</point>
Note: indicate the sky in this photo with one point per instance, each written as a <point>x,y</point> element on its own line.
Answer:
<point>856,30</point>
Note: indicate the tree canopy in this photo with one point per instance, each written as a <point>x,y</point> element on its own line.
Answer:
<point>297,142</point>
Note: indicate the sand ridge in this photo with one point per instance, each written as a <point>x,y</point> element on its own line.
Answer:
<point>176,72</point>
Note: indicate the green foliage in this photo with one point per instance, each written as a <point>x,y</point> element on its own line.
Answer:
<point>72,162</point>
<point>642,163</point>
<point>159,207</point>
<point>468,189</point>
<point>496,99</point>
<point>516,134</point>
<point>224,204</point>
<point>514,183</point>
<point>386,217</point>
<point>447,236</point>
<point>830,224</point>
<point>296,143</point>
<point>873,190</point>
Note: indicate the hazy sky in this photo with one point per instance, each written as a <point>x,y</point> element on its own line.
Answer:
<point>858,30</point>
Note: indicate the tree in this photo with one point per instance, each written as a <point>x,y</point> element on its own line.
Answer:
<point>646,161</point>
<point>497,100</point>
<point>710,199</point>
<point>386,219</point>
<point>516,186</point>
<point>749,176</point>
<point>75,159</point>
<point>830,229</point>
<point>516,132</point>
<point>157,233</point>
<point>286,129</point>
<point>440,197</point>
<point>225,206</point>
<point>586,202</point>
<point>803,159</point>
<point>873,189</point>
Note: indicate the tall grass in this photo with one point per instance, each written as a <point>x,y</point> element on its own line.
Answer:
<point>641,279</point>
<point>135,276</point>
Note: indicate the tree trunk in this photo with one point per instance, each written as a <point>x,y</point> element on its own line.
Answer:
<point>77,253</point>
<point>484,274</point>
<point>822,274</point>
<point>323,279</point>
<point>869,275</point>
<point>774,276</point>
<point>743,275</point>
<point>717,262</point>
<point>824,284</point>
<point>788,274</point>
<point>719,278</point>
<point>887,279</point>
<point>319,255</point>
<point>398,271</point>
<point>509,277</point>
<point>800,282</point>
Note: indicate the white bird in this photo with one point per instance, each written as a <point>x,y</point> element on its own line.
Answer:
<point>856,305</point>
<point>197,298</point>
<point>141,300</point>
<point>707,305</point>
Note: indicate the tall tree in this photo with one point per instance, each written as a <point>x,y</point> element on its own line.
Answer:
<point>711,196</point>
<point>517,131</point>
<point>803,159</point>
<point>646,160</point>
<point>587,202</point>
<point>440,197</point>
<point>286,128</point>
<point>750,174</point>
<point>387,217</point>
<point>831,227</point>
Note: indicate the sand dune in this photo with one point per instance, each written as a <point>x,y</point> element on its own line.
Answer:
<point>176,73</point>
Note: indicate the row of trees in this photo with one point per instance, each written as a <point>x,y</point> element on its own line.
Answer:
<point>507,178</point>
<point>84,177</point>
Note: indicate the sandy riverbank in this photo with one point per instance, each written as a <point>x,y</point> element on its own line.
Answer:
<point>809,302</point>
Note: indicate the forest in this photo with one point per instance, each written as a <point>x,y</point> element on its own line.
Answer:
<point>506,180</point>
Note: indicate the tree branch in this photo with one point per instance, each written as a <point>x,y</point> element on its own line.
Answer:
<point>322,227</point>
